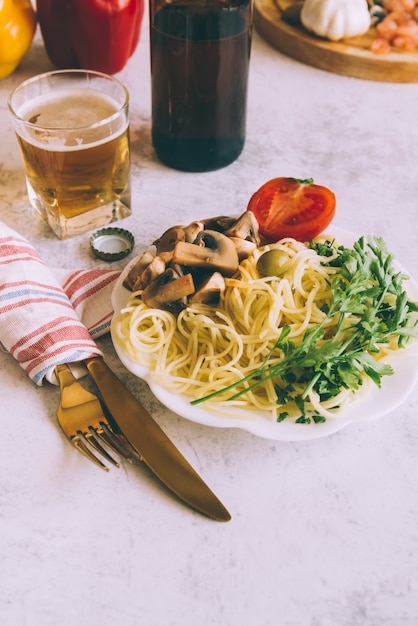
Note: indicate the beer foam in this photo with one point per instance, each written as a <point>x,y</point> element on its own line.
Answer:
<point>77,112</point>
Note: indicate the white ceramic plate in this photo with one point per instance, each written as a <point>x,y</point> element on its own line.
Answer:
<point>376,403</point>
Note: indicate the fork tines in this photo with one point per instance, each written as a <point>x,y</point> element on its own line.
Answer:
<point>83,420</point>
<point>98,440</point>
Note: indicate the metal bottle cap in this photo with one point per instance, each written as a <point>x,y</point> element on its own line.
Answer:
<point>112,244</point>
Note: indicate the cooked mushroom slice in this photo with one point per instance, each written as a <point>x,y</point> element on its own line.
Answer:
<point>137,269</point>
<point>219,223</point>
<point>192,230</point>
<point>154,269</point>
<point>168,291</point>
<point>245,227</point>
<point>210,291</point>
<point>211,250</point>
<point>169,238</point>
<point>244,247</point>
<point>179,269</point>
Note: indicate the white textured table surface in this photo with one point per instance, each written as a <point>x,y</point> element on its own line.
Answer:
<point>324,532</point>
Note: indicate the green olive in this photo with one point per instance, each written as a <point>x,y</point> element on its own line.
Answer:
<point>272,263</point>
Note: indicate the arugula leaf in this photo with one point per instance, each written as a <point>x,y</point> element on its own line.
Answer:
<point>369,292</point>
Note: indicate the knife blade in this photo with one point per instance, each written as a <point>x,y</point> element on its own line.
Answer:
<point>152,445</point>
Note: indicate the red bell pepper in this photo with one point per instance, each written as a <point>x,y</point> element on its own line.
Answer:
<point>97,35</point>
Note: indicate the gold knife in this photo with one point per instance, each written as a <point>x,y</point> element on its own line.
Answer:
<point>152,444</point>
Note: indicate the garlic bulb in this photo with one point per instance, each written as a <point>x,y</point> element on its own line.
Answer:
<point>336,19</point>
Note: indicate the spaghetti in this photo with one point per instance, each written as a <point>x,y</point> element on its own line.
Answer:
<point>205,349</point>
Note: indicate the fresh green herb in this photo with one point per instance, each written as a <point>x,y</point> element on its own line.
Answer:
<point>282,416</point>
<point>368,291</point>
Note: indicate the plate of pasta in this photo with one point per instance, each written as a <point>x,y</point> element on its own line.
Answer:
<point>227,366</point>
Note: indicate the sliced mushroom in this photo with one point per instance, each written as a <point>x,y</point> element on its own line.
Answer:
<point>210,291</point>
<point>169,291</point>
<point>245,227</point>
<point>192,230</point>
<point>169,238</point>
<point>219,223</point>
<point>137,269</point>
<point>157,266</point>
<point>244,247</point>
<point>211,250</point>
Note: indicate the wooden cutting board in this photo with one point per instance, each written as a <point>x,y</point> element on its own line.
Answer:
<point>351,57</point>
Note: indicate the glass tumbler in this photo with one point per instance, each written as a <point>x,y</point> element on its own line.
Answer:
<point>72,127</point>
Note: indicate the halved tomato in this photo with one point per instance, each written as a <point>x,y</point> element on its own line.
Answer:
<point>290,207</point>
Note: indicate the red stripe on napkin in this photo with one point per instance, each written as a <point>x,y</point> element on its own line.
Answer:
<point>14,295</point>
<point>90,293</point>
<point>10,251</point>
<point>42,325</point>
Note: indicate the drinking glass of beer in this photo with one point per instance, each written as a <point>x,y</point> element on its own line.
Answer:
<point>72,128</point>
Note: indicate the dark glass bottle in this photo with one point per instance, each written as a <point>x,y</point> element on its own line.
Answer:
<point>200,53</point>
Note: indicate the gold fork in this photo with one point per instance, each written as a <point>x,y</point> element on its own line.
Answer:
<point>81,417</point>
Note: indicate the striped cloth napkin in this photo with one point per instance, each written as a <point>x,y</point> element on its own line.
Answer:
<point>49,318</point>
